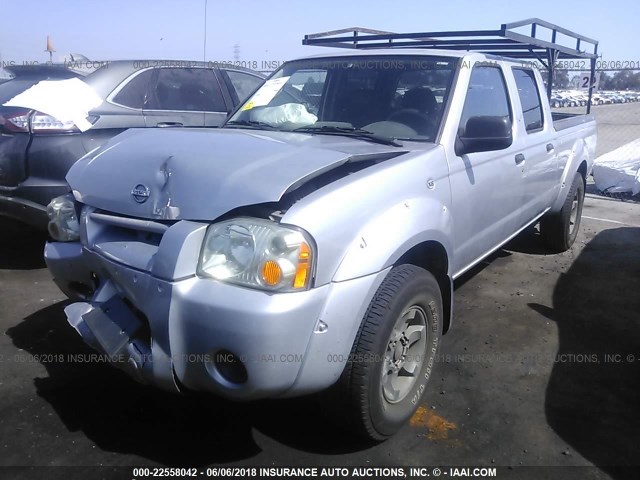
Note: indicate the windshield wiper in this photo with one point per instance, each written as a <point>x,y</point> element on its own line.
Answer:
<point>348,132</point>
<point>249,123</point>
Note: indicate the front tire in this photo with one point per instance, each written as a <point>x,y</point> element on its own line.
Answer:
<point>393,355</point>
<point>559,230</point>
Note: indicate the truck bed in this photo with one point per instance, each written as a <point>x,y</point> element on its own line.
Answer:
<point>562,121</point>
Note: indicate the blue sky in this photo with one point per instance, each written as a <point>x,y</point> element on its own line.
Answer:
<point>272,30</point>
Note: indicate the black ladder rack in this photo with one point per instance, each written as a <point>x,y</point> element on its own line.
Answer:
<point>505,42</point>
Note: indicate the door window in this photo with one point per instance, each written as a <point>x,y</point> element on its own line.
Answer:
<point>134,93</point>
<point>186,89</point>
<point>486,96</point>
<point>529,99</point>
<point>243,84</point>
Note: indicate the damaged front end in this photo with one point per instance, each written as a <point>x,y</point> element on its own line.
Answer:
<point>115,331</point>
<point>151,302</point>
<point>107,267</point>
<point>185,275</point>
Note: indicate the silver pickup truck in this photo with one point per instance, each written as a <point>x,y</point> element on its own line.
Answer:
<point>311,243</point>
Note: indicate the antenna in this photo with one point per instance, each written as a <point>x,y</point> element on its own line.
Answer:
<point>236,52</point>
<point>204,48</point>
<point>50,49</point>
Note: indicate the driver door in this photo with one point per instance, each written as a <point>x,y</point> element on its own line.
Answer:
<point>487,187</point>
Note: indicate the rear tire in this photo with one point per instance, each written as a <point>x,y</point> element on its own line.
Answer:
<point>559,230</point>
<point>393,355</point>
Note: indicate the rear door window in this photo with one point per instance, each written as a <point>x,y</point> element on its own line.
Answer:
<point>186,90</point>
<point>529,99</point>
<point>134,93</point>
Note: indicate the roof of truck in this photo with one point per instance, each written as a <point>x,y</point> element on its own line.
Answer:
<point>389,52</point>
<point>379,52</point>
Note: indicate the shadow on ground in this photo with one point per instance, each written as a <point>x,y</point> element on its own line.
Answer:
<point>592,400</point>
<point>21,247</point>
<point>529,241</point>
<point>120,415</point>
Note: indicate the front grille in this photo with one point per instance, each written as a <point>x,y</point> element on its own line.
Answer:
<point>130,228</point>
<point>123,239</point>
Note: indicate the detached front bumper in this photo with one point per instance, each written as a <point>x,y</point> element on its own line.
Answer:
<point>184,331</point>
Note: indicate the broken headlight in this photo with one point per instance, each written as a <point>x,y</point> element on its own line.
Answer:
<point>259,254</point>
<point>63,219</point>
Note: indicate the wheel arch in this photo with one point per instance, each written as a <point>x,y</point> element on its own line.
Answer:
<point>432,256</point>
<point>580,161</point>
<point>582,170</point>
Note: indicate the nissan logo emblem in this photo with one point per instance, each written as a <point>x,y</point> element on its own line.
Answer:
<point>140,193</point>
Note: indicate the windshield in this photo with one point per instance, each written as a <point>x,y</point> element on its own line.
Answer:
<point>399,97</point>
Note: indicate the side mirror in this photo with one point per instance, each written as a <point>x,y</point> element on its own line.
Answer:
<point>482,134</point>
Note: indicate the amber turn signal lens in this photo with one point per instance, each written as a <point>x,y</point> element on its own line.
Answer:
<point>302,271</point>
<point>271,273</point>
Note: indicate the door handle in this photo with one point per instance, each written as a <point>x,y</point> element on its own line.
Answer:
<point>519,158</point>
<point>169,124</point>
<point>550,147</point>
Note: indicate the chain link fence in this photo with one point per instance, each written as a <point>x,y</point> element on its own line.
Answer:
<point>616,107</point>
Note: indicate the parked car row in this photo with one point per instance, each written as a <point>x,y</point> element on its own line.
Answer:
<point>607,98</point>
<point>37,149</point>
<point>568,99</point>
<point>573,98</point>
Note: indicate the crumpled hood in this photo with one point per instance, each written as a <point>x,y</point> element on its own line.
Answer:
<point>200,174</point>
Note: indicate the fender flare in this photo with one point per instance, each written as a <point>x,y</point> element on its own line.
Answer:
<point>579,155</point>
<point>376,248</point>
